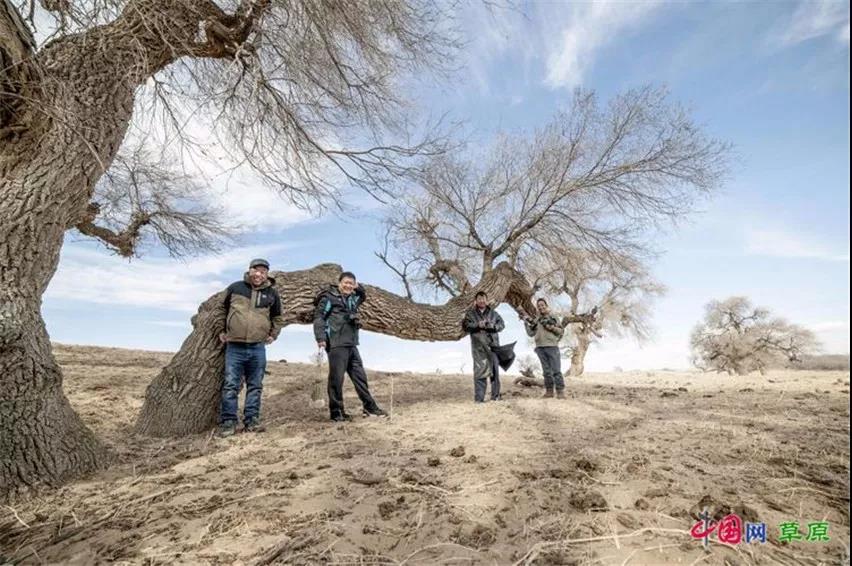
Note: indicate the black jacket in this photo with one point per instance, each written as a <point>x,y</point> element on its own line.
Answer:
<point>483,337</point>
<point>336,317</point>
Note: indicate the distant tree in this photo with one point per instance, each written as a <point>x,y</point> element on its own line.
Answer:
<point>737,337</point>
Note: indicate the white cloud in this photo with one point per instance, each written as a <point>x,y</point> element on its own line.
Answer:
<point>492,32</point>
<point>813,19</point>
<point>253,206</point>
<point>170,323</point>
<point>239,192</point>
<point>389,353</point>
<point>92,276</point>
<point>833,335</point>
<point>564,36</point>
<point>829,325</point>
<point>778,243</point>
<point>590,27</point>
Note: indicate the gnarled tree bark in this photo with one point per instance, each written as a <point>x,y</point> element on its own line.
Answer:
<point>183,398</point>
<point>71,104</point>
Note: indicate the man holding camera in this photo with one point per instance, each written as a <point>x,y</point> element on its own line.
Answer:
<point>336,326</point>
<point>547,332</point>
<point>483,324</point>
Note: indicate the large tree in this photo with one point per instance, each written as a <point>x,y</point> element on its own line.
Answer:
<point>572,207</point>
<point>302,93</point>
<point>592,180</point>
<point>595,179</point>
<point>738,338</point>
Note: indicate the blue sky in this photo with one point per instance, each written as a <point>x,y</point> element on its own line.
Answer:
<point>770,77</point>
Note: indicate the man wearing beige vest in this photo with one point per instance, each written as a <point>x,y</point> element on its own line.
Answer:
<point>547,331</point>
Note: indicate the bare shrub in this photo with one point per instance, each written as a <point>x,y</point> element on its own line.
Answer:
<point>528,366</point>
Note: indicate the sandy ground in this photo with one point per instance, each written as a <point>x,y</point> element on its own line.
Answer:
<point>612,475</point>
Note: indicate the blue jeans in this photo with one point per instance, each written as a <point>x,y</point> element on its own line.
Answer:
<point>551,367</point>
<point>247,360</point>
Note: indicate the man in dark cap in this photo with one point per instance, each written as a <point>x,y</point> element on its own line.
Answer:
<point>252,318</point>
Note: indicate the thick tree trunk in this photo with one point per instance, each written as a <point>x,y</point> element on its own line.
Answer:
<point>74,101</point>
<point>183,398</point>
<point>578,355</point>
<point>41,438</point>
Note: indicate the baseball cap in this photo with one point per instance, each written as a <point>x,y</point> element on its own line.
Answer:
<point>259,262</point>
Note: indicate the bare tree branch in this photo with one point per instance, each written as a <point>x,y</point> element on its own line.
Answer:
<point>597,180</point>
<point>401,272</point>
<point>144,196</point>
<point>123,243</point>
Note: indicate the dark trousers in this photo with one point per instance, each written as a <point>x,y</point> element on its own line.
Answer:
<point>551,362</point>
<point>482,378</point>
<point>347,360</point>
<point>247,360</point>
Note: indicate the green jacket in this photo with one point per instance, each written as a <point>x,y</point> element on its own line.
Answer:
<point>252,315</point>
<point>546,330</point>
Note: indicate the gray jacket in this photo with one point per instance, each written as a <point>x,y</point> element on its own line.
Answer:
<point>546,330</point>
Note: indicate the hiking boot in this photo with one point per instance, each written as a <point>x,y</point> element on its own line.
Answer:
<point>377,412</point>
<point>342,418</point>
<point>560,394</point>
<point>253,425</point>
<point>548,394</point>
<point>227,429</point>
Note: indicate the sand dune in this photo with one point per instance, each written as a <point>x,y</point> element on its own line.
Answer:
<point>613,475</point>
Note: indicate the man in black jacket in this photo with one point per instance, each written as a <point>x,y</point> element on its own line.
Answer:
<point>336,326</point>
<point>483,323</point>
